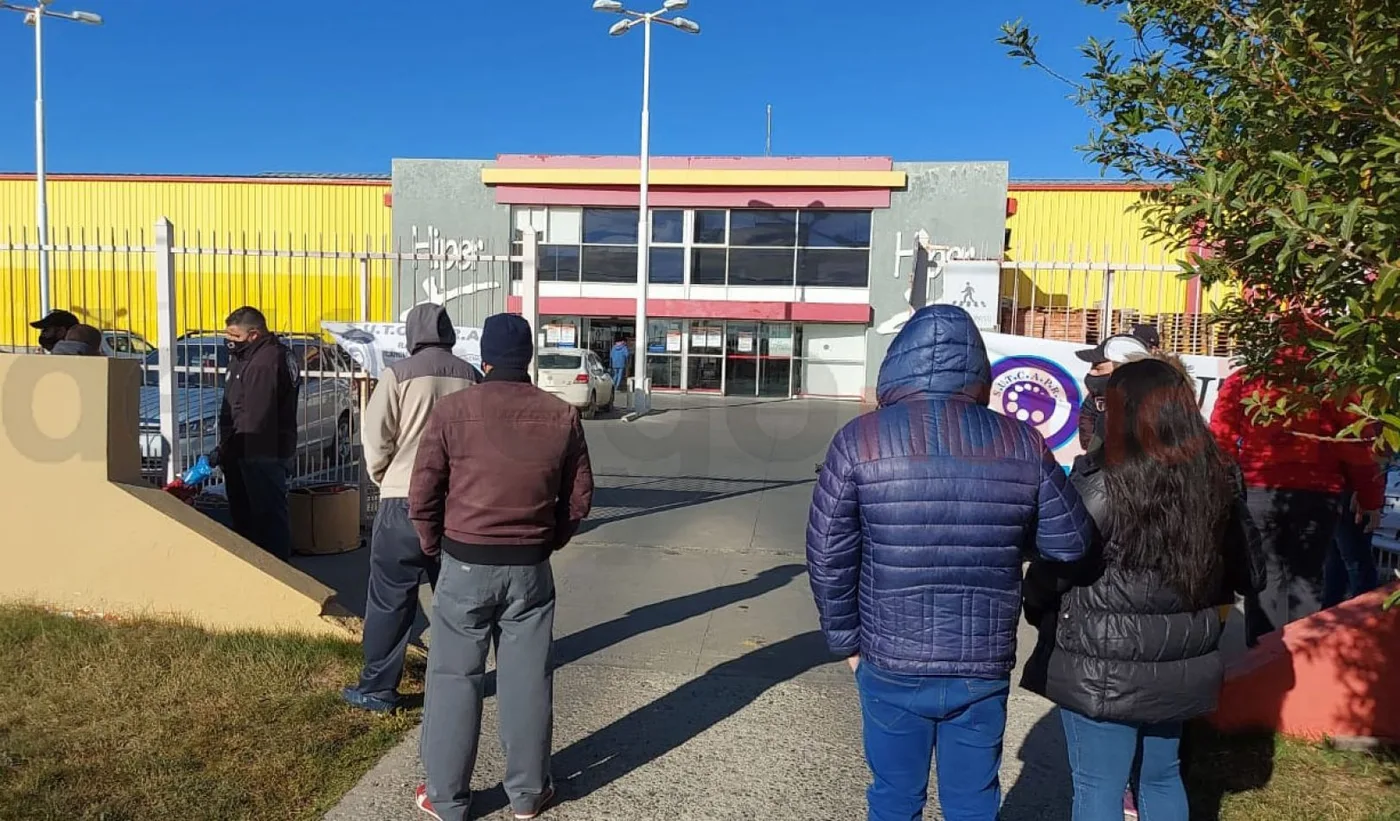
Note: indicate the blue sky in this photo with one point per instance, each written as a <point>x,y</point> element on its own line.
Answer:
<point>233,87</point>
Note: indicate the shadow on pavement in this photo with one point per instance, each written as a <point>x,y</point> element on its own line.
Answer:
<point>1043,791</point>
<point>646,495</point>
<point>665,724</point>
<point>586,642</point>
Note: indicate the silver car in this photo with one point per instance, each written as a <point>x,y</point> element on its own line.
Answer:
<point>327,415</point>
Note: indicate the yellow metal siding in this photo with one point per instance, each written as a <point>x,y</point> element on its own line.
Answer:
<point>1091,229</point>
<point>115,289</point>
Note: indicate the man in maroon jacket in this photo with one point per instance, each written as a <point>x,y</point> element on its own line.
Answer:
<point>500,482</point>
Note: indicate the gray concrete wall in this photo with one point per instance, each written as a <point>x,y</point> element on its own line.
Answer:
<point>962,206</point>
<point>441,206</point>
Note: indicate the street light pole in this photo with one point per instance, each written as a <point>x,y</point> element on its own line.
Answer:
<point>641,397</point>
<point>34,16</point>
<point>41,185</point>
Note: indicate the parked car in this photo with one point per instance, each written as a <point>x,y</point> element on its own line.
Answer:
<point>125,345</point>
<point>327,415</point>
<point>578,377</point>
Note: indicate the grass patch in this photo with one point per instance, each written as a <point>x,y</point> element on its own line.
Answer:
<point>1255,777</point>
<point>126,721</point>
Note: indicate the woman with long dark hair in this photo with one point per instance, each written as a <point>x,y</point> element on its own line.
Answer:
<point>1129,647</point>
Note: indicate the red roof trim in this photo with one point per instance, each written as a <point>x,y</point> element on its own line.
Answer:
<point>1082,186</point>
<point>700,309</point>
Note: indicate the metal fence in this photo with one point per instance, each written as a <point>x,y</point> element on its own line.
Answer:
<point>161,299</point>
<point>1084,299</point>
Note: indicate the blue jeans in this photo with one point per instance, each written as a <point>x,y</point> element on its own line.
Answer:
<point>1351,563</point>
<point>906,717</point>
<point>618,375</point>
<point>1101,759</point>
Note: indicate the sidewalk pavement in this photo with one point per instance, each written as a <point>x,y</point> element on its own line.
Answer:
<point>692,681</point>
<point>695,686</point>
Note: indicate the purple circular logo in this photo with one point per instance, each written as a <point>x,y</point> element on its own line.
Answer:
<point>1040,393</point>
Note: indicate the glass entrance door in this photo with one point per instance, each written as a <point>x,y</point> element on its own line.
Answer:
<point>741,359</point>
<point>775,361</point>
<point>758,359</point>
<point>602,333</point>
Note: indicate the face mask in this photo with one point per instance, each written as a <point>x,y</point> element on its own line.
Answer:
<point>49,338</point>
<point>1097,385</point>
<point>238,346</point>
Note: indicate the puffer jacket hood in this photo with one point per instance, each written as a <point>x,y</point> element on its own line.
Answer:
<point>429,325</point>
<point>938,355</point>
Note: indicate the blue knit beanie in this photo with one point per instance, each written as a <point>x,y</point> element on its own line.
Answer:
<point>507,342</point>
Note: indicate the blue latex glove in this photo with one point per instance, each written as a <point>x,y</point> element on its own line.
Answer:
<point>197,472</point>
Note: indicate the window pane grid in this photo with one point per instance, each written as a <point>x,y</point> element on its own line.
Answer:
<point>715,246</point>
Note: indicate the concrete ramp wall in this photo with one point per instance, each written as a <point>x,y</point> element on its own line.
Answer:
<point>81,531</point>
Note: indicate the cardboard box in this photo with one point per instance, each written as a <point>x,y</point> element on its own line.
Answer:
<point>325,519</point>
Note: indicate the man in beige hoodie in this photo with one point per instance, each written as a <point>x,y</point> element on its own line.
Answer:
<point>394,420</point>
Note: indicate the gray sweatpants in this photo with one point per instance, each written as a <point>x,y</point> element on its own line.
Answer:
<point>473,606</point>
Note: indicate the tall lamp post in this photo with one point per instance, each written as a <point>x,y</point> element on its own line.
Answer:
<point>34,16</point>
<point>641,399</point>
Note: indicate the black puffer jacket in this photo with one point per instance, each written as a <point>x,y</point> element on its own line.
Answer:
<point>1120,645</point>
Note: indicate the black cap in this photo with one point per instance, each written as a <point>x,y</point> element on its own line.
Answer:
<point>1148,334</point>
<point>55,319</point>
<point>1116,348</point>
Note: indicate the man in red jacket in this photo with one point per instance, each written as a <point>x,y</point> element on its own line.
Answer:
<point>1296,472</point>
<point>501,481</point>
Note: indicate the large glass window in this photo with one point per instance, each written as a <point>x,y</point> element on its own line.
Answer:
<point>565,226</point>
<point>558,263</point>
<point>610,226</point>
<point>667,266</point>
<point>834,249</point>
<point>760,266</point>
<point>741,247</point>
<point>834,229</point>
<point>707,266</point>
<point>711,227</point>
<point>769,229</point>
<point>833,267</point>
<point>668,227</point>
<point>609,263</point>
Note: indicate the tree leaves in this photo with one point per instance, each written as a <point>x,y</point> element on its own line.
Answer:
<point>1278,124</point>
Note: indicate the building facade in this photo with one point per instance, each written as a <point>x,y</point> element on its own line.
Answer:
<point>769,276</point>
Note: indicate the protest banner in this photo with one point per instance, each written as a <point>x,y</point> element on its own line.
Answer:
<point>376,345</point>
<point>1041,382</point>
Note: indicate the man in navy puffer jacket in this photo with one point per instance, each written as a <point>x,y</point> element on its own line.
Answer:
<point>921,518</point>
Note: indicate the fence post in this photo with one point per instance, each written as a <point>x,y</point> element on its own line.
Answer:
<point>1106,327</point>
<point>165,344</point>
<point>364,289</point>
<point>530,290</point>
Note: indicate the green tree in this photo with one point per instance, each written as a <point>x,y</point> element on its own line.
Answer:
<point>1275,128</point>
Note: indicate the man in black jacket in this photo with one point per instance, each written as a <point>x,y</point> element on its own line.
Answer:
<point>258,431</point>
